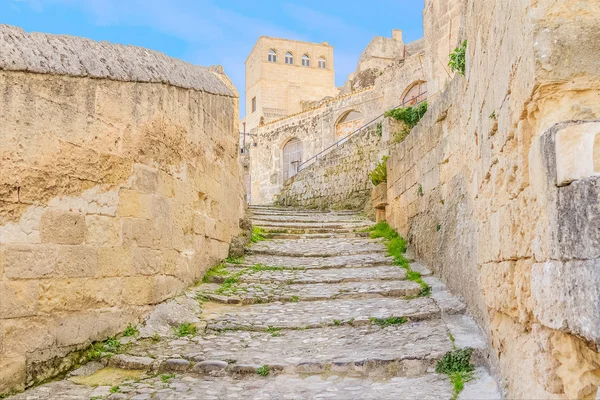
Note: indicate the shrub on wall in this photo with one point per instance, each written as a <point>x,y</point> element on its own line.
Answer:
<point>409,115</point>
<point>458,58</point>
<point>379,174</point>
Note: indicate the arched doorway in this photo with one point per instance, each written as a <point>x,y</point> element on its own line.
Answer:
<point>348,122</point>
<point>292,157</point>
<point>415,93</point>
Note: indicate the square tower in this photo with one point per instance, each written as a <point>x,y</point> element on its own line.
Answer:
<point>282,74</point>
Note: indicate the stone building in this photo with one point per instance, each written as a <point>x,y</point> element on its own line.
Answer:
<point>389,73</point>
<point>283,75</point>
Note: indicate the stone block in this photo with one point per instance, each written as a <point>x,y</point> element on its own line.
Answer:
<point>27,335</point>
<point>62,227</point>
<point>139,290</point>
<point>134,204</point>
<point>76,261</point>
<point>18,298</point>
<point>102,230</point>
<point>577,152</point>
<point>29,261</point>
<point>115,261</point>
<point>145,179</point>
<point>146,261</point>
<point>166,185</point>
<point>561,293</point>
<point>79,294</point>
<point>137,232</point>
<point>12,374</point>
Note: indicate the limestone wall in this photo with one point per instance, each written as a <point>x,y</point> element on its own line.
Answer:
<point>497,189</point>
<point>119,187</point>
<point>315,128</point>
<point>340,179</point>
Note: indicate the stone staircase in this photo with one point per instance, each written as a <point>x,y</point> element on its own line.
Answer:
<point>313,312</point>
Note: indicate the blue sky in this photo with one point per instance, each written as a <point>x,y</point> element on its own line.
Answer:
<point>222,32</point>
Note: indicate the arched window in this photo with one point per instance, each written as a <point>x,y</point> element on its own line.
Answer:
<point>415,93</point>
<point>348,123</point>
<point>305,60</point>
<point>292,157</point>
<point>322,63</point>
<point>289,58</point>
<point>272,56</point>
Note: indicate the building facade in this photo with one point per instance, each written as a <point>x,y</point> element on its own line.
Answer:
<point>284,76</point>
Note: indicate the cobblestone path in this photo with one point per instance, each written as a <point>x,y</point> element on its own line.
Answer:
<point>306,315</point>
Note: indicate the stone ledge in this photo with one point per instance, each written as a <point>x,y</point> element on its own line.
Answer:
<point>69,55</point>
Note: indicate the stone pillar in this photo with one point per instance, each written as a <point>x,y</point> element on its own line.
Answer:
<point>379,201</point>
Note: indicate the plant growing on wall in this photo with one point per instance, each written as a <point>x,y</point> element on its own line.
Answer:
<point>409,115</point>
<point>379,174</point>
<point>458,57</point>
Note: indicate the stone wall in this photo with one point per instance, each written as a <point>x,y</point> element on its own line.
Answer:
<point>497,188</point>
<point>119,187</point>
<point>315,128</point>
<point>340,179</point>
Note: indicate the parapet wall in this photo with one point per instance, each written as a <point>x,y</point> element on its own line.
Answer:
<point>338,180</point>
<point>119,187</point>
<point>497,190</point>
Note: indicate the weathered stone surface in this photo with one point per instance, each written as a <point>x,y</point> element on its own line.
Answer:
<point>69,55</point>
<point>62,227</point>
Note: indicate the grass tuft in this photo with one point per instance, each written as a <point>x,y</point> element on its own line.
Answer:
<point>166,377</point>
<point>383,322</point>
<point>396,246</point>
<point>273,331</point>
<point>185,329</point>
<point>235,260</point>
<point>131,331</point>
<point>263,371</point>
<point>457,365</point>
<point>258,234</point>
<point>217,270</point>
<point>115,389</point>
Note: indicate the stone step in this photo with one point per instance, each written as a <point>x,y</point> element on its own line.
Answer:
<point>304,230</point>
<point>430,386</point>
<point>341,219</point>
<point>311,236</point>
<point>316,314</point>
<point>333,275</point>
<point>351,261</point>
<point>252,293</point>
<point>411,348</point>
<point>318,247</point>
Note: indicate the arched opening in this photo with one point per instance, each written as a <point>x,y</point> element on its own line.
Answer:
<point>348,122</point>
<point>272,56</point>
<point>305,60</point>
<point>322,63</point>
<point>415,93</point>
<point>289,58</point>
<point>292,157</point>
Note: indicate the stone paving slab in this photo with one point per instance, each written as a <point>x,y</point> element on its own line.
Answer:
<point>190,387</point>
<point>318,247</point>
<point>311,218</point>
<point>251,293</point>
<point>310,236</point>
<point>344,349</point>
<point>317,314</point>
<point>351,261</point>
<point>332,275</point>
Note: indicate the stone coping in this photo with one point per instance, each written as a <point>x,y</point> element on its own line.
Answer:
<point>75,56</point>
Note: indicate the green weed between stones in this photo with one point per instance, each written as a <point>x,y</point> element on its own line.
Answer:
<point>115,389</point>
<point>235,260</point>
<point>258,234</point>
<point>166,377</point>
<point>383,322</point>
<point>98,350</point>
<point>263,371</point>
<point>185,329</point>
<point>131,331</point>
<point>217,270</point>
<point>294,299</point>
<point>457,365</point>
<point>396,246</point>
<point>273,331</point>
